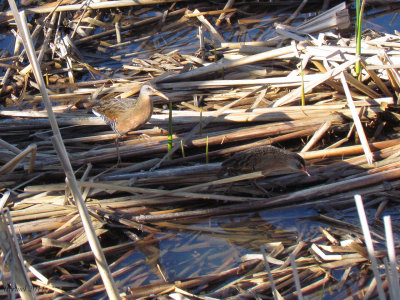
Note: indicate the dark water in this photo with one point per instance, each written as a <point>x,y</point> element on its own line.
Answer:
<point>216,244</point>
<point>387,23</point>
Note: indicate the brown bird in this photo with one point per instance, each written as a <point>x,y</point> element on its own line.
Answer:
<point>128,114</point>
<point>263,158</point>
<point>124,115</point>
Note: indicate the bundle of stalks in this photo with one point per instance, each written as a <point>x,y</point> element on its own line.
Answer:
<point>167,223</point>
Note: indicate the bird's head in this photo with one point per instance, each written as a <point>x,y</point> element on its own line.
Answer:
<point>298,163</point>
<point>147,90</point>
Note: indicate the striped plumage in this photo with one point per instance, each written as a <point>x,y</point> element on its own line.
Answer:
<point>263,158</point>
<point>128,114</point>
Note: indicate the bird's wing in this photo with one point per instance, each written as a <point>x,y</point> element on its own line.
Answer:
<point>111,122</point>
<point>109,110</point>
<point>114,106</point>
<point>240,162</point>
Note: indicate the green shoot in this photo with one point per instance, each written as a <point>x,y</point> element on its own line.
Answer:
<point>182,149</point>
<point>303,97</point>
<point>359,14</point>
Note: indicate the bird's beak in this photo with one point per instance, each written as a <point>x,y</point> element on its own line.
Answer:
<point>305,171</point>
<point>162,95</point>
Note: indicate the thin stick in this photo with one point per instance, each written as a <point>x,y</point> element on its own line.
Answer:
<point>369,244</point>
<point>9,244</point>
<point>12,164</point>
<point>93,5</point>
<point>360,86</point>
<point>4,199</point>
<point>177,193</point>
<point>317,135</point>
<point>296,276</point>
<point>9,147</point>
<point>297,11</point>
<point>62,153</point>
<point>303,97</point>
<point>83,178</point>
<point>357,122</point>
<point>228,5</point>
<point>389,278</point>
<point>348,150</point>
<point>271,278</point>
<point>293,95</point>
<point>376,79</point>
<point>48,35</point>
<point>214,33</point>
<point>392,255</point>
<point>182,149</point>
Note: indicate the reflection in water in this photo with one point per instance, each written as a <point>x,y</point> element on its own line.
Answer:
<point>214,245</point>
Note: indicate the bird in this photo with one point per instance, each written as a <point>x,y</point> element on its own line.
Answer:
<point>124,115</point>
<point>262,158</point>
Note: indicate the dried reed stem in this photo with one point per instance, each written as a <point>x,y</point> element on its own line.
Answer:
<point>357,122</point>
<point>93,241</point>
<point>370,245</point>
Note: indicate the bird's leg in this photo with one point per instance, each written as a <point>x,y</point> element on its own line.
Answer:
<point>227,190</point>
<point>116,142</point>
<point>117,150</point>
<point>254,182</point>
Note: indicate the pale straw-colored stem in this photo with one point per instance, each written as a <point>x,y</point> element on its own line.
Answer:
<point>296,276</point>
<point>390,246</point>
<point>12,164</point>
<point>369,244</point>
<point>101,262</point>
<point>356,119</point>
<point>293,95</point>
<point>317,135</point>
<point>271,278</point>
<point>94,5</point>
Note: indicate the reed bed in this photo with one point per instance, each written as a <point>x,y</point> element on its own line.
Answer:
<point>169,227</point>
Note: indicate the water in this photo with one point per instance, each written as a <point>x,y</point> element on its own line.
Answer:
<point>387,23</point>
<point>217,244</point>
